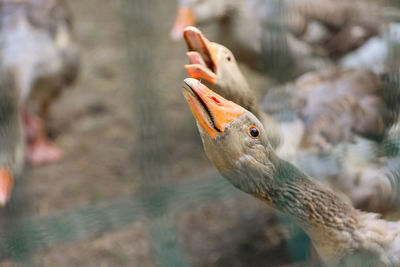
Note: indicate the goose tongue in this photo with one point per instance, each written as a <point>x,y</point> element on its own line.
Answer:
<point>184,18</point>
<point>6,185</point>
<point>195,58</point>
<point>198,68</point>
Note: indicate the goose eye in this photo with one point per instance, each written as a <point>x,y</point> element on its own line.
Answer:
<point>253,131</point>
<point>228,58</point>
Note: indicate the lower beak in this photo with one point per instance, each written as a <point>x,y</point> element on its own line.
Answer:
<point>212,111</point>
<point>200,71</point>
<point>6,185</point>
<point>184,18</point>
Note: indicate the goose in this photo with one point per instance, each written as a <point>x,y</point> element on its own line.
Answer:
<point>39,49</point>
<point>328,112</point>
<point>297,35</point>
<point>12,138</point>
<point>235,142</point>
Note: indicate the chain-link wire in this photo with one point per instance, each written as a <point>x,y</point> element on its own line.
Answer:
<point>160,199</point>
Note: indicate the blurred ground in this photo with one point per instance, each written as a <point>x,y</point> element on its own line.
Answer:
<point>94,125</point>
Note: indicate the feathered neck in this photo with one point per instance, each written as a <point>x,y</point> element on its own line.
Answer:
<point>340,233</point>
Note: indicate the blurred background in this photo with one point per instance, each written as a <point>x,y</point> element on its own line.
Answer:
<point>134,187</point>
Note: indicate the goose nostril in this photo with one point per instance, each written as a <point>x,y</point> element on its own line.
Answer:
<point>215,100</point>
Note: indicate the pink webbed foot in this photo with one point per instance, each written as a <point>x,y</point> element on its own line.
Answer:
<point>43,151</point>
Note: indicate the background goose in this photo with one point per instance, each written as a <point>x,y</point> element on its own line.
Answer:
<point>39,50</point>
<point>235,141</point>
<point>297,35</point>
<point>11,137</point>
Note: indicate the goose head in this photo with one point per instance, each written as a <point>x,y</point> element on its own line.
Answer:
<point>216,66</point>
<point>233,138</point>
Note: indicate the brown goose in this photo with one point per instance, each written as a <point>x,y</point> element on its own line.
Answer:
<point>326,110</point>
<point>39,50</point>
<point>235,141</point>
<point>299,35</point>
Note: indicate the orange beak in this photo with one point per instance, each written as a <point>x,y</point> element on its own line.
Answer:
<point>184,17</point>
<point>212,111</point>
<point>203,55</point>
<point>6,185</point>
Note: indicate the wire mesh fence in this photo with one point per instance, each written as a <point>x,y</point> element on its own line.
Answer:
<point>160,182</point>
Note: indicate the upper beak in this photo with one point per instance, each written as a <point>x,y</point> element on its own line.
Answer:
<point>184,17</point>
<point>6,185</point>
<point>203,55</point>
<point>212,111</point>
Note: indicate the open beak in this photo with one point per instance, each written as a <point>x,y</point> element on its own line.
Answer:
<point>212,111</point>
<point>184,17</point>
<point>203,55</point>
<point>6,185</point>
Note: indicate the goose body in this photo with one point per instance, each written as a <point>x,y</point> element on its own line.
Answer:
<point>322,112</point>
<point>39,50</point>
<point>236,142</point>
<point>335,105</point>
<point>299,35</point>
